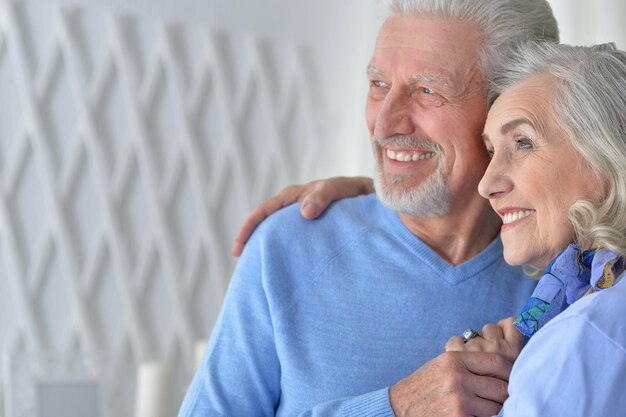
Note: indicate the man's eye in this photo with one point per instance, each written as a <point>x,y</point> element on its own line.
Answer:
<point>490,153</point>
<point>380,84</point>
<point>429,97</point>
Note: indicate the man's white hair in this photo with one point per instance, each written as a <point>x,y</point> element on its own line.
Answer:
<point>505,23</point>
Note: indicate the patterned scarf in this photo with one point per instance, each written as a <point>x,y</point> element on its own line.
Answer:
<point>568,277</point>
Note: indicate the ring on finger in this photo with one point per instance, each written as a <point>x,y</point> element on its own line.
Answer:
<point>469,334</point>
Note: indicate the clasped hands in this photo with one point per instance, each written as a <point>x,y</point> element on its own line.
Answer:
<point>502,338</point>
<point>470,379</point>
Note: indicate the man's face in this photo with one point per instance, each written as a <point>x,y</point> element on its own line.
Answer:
<point>425,111</point>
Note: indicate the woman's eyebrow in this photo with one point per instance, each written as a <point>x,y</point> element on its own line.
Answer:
<point>510,125</point>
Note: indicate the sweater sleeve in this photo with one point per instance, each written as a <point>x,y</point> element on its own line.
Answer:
<point>569,368</point>
<point>240,372</point>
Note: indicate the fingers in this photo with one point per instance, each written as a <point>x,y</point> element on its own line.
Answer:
<point>486,364</point>
<point>502,338</point>
<point>480,383</point>
<point>492,331</point>
<point>481,407</point>
<point>455,344</point>
<point>248,226</point>
<point>237,249</point>
<point>321,194</point>
<point>487,387</point>
<point>286,197</point>
<point>453,383</point>
<point>318,199</point>
<point>514,337</point>
<point>475,344</point>
<point>509,330</point>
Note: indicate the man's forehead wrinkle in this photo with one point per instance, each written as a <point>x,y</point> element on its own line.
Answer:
<point>414,39</point>
<point>426,77</point>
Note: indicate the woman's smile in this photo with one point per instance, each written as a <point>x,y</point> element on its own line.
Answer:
<point>513,216</point>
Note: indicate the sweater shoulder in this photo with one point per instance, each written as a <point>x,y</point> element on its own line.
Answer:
<point>287,253</point>
<point>350,214</point>
<point>286,245</point>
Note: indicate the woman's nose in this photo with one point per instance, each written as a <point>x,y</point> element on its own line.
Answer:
<point>496,181</point>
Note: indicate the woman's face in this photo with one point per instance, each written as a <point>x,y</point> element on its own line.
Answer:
<point>535,174</point>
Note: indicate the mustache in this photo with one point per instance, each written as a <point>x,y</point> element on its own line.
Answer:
<point>409,142</point>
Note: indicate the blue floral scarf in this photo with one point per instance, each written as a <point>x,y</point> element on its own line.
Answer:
<point>568,277</point>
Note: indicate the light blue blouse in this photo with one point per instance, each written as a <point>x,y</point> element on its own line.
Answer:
<point>576,364</point>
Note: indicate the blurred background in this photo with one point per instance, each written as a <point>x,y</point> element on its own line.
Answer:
<point>134,138</point>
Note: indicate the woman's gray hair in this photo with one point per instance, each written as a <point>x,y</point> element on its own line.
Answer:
<point>589,104</point>
<point>505,23</point>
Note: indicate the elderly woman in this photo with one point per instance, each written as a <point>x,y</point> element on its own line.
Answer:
<point>557,136</point>
<point>557,178</point>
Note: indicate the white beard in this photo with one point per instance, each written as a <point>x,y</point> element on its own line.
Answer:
<point>429,199</point>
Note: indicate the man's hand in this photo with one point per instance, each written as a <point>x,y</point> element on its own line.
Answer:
<point>454,384</point>
<point>316,196</point>
<point>502,338</point>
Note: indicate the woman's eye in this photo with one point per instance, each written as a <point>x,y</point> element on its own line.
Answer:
<point>490,153</point>
<point>523,144</point>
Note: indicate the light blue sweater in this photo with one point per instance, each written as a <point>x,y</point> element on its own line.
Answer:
<point>326,315</point>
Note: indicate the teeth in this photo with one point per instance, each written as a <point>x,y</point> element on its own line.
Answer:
<point>408,156</point>
<point>516,215</point>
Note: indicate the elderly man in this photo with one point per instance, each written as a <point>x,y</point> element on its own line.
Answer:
<point>333,317</point>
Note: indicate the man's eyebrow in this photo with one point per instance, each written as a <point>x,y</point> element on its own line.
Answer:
<point>373,70</point>
<point>429,78</point>
<point>421,77</point>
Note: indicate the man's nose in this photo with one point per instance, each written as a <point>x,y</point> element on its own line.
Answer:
<point>395,116</point>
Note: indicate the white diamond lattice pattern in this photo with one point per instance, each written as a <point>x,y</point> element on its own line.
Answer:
<point>130,150</point>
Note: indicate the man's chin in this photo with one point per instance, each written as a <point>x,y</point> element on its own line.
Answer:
<point>394,186</point>
<point>418,199</point>
<point>399,182</point>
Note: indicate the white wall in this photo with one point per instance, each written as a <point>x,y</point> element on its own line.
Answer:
<point>584,22</point>
<point>135,136</point>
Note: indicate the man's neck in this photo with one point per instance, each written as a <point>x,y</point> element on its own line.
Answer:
<point>459,235</point>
